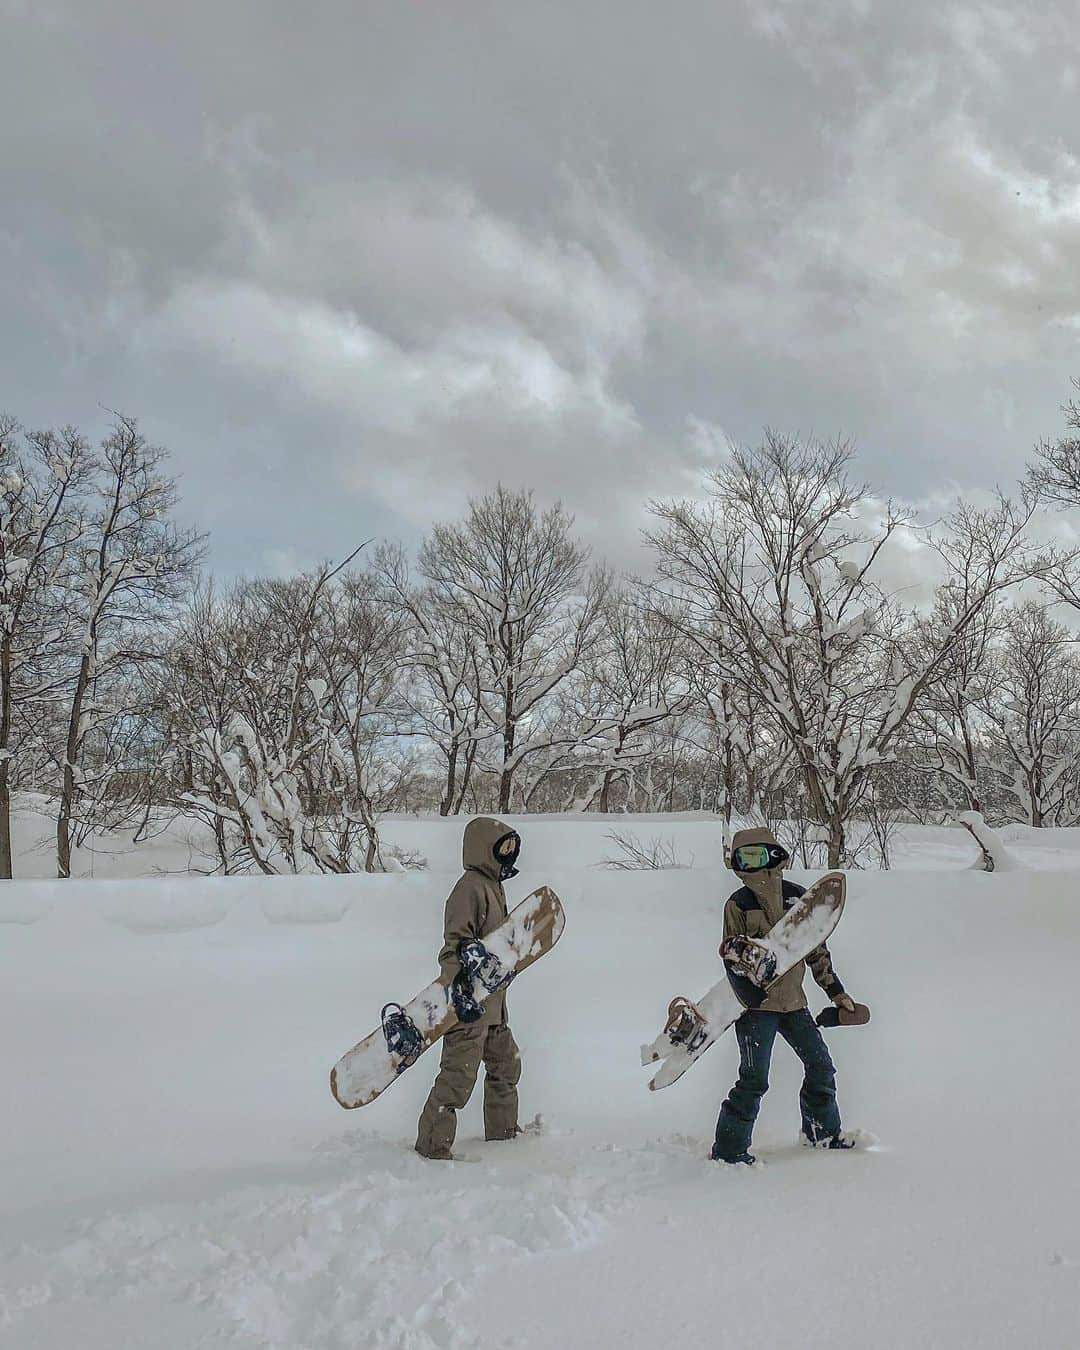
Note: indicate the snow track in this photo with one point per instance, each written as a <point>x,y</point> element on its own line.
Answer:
<point>374,1247</point>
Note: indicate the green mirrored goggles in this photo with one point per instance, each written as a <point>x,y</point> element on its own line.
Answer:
<point>757,857</point>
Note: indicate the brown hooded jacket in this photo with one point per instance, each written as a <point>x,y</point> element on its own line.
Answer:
<point>476,906</point>
<point>752,911</point>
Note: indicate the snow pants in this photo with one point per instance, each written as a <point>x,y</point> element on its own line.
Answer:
<point>756,1032</point>
<point>463,1049</point>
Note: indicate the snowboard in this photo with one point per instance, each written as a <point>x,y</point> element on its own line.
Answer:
<point>407,1030</point>
<point>751,966</point>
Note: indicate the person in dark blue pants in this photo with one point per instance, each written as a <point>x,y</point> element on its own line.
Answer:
<point>758,860</point>
<point>757,1031</point>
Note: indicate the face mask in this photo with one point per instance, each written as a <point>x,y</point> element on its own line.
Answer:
<point>758,857</point>
<point>506,853</point>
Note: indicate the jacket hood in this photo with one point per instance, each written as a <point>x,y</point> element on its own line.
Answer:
<point>767,884</point>
<point>759,835</point>
<point>478,844</point>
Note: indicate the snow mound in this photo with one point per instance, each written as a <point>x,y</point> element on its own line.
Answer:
<point>993,855</point>
<point>166,907</point>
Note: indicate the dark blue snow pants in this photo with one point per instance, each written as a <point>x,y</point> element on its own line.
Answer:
<point>817,1101</point>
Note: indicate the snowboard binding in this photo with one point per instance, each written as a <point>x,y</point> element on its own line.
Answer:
<point>481,967</point>
<point>480,972</point>
<point>467,1008</point>
<point>685,1024</point>
<point>403,1037</point>
<point>748,959</point>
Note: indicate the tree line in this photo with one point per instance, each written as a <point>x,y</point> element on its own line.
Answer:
<point>766,666</point>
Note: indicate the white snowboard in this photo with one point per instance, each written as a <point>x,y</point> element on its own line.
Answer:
<point>530,930</point>
<point>804,927</point>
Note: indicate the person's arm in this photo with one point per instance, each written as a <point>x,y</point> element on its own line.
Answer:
<point>462,919</point>
<point>734,920</point>
<point>821,967</point>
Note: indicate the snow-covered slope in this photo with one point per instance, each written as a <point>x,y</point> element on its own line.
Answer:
<point>177,1175</point>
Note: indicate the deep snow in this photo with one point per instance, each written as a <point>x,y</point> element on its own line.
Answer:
<point>177,1174</point>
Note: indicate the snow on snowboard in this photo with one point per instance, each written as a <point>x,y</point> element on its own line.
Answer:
<point>530,930</point>
<point>751,966</point>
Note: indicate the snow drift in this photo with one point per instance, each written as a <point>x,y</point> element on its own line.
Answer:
<point>177,1174</point>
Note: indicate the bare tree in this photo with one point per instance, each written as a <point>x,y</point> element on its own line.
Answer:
<point>444,658</point>
<point>1034,715</point>
<point>770,569</point>
<point>1055,475</point>
<point>136,564</point>
<point>947,728</point>
<point>42,476</point>
<point>515,581</point>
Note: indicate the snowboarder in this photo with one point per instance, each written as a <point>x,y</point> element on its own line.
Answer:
<point>476,907</point>
<point>759,861</point>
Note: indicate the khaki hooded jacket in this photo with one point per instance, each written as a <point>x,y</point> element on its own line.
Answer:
<point>477,905</point>
<point>756,907</point>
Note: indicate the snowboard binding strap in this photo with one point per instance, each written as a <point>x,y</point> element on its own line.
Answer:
<point>403,1037</point>
<point>685,1024</point>
<point>749,959</point>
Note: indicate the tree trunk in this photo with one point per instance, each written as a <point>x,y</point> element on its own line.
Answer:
<point>506,778</point>
<point>446,805</point>
<point>6,871</point>
<point>5,823</point>
<point>71,756</point>
<point>466,777</point>
<point>604,805</point>
<point>836,843</point>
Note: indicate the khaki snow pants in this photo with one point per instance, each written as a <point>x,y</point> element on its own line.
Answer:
<point>490,1040</point>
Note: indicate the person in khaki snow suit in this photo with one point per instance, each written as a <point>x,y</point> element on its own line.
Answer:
<point>759,861</point>
<point>475,908</point>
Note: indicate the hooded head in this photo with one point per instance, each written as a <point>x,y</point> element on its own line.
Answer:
<point>490,846</point>
<point>765,882</point>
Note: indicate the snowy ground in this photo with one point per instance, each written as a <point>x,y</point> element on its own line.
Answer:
<point>177,1174</point>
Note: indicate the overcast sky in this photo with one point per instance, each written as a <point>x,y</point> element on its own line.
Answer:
<point>353,262</point>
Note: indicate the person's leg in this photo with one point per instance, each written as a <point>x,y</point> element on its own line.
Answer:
<point>817,1100</point>
<point>461,1051</point>
<point>502,1071</point>
<point>756,1032</point>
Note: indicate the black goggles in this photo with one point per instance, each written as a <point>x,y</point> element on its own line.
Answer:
<point>758,857</point>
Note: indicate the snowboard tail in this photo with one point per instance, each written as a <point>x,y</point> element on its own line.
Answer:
<point>803,927</point>
<point>406,1030</point>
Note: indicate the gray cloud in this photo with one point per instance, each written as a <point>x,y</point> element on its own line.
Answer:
<point>355,264</point>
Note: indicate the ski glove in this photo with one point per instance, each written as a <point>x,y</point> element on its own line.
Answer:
<point>844,1001</point>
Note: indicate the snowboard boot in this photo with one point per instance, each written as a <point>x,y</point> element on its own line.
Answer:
<point>844,1140</point>
<point>504,1136</point>
<point>747,1158</point>
<point>436,1155</point>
